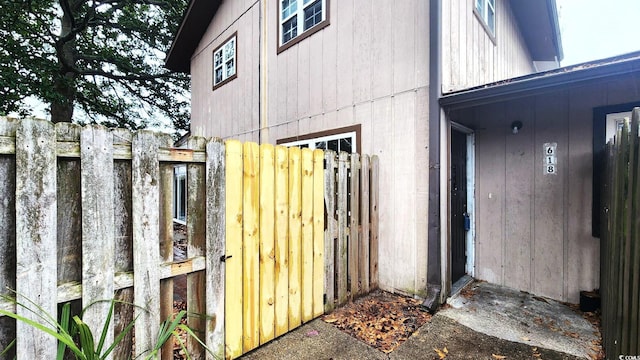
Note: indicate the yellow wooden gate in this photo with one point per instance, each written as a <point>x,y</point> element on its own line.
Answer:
<point>274,242</point>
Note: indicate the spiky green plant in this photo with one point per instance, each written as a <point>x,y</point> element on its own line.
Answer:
<point>74,334</point>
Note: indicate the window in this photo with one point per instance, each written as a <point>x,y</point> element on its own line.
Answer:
<point>299,19</point>
<point>180,193</point>
<point>339,142</point>
<point>486,11</point>
<point>224,62</point>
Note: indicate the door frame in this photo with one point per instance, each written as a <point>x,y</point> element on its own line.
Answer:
<point>471,208</point>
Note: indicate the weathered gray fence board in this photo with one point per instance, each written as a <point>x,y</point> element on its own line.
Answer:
<point>7,232</point>
<point>98,243</point>
<point>196,245</point>
<point>373,247</point>
<point>354,220</point>
<point>35,233</point>
<point>343,233</point>
<point>166,247</point>
<point>215,202</point>
<point>69,230</point>
<point>146,252</point>
<point>364,216</point>
<point>331,234</point>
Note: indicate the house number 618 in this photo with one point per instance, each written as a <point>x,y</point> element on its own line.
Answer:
<point>550,158</point>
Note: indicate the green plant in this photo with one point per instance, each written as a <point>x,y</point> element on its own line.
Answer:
<point>74,334</point>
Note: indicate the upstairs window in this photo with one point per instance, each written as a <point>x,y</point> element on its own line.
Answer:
<point>299,19</point>
<point>486,11</point>
<point>224,62</point>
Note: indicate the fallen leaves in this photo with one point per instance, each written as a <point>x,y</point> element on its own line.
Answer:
<point>498,357</point>
<point>441,353</point>
<point>382,320</point>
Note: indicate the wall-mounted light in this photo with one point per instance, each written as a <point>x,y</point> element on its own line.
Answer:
<point>516,126</point>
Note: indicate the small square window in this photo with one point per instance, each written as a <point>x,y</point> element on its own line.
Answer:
<point>224,62</point>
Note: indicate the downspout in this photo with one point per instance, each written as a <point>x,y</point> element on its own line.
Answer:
<point>263,123</point>
<point>434,275</point>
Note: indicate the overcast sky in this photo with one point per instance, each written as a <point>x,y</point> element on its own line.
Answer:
<point>593,29</point>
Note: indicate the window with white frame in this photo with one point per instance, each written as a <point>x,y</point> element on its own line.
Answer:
<point>224,62</point>
<point>298,17</point>
<point>180,193</point>
<point>486,11</point>
<point>338,142</point>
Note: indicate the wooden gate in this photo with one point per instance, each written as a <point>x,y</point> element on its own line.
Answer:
<point>274,242</point>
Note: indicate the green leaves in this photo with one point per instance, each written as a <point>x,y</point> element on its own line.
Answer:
<point>103,59</point>
<point>74,334</point>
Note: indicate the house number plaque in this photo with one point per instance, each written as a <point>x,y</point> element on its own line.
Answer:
<point>550,159</point>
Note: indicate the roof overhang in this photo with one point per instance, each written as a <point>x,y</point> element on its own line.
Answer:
<point>194,24</point>
<point>538,22</point>
<point>624,65</point>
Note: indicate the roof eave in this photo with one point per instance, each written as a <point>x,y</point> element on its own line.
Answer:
<point>528,85</point>
<point>196,20</point>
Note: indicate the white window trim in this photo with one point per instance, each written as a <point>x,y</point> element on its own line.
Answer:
<point>483,8</point>
<point>179,173</point>
<point>233,41</point>
<point>300,7</point>
<point>311,143</point>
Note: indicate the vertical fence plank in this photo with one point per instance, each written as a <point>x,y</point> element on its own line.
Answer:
<point>216,249</point>
<point>251,246</point>
<point>196,246</point>
<point>343,234</point>
<point>318,233</point>
<point>281,240</point>
<point>98,242</point>
<point>233,265</point>
<point>36,217</point>
<point>267,250</point>
<point>306,250</point>
<point>373,244</point>
<point>331,233</point>
<point>7,232</point>
<point>123,229</point>
<point>625,258</point>
<point>354,218</point>
<point>364,233</point>
<point>69,222</point>
<point>295,261</point>
<point>146,252</point>
<point>166,247</point>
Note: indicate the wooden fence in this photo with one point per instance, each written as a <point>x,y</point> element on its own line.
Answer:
<point>620,246</point>
<point>80,206</point>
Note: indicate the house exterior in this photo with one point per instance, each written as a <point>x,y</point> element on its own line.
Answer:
<point>366,76</point>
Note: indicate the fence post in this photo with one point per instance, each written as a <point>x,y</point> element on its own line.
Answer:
<point>146,250</point>
<point>216,248</point>
<point>98,243</point>
<point>36,228</point>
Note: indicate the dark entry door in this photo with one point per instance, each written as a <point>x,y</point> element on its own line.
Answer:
<point>458,204</point>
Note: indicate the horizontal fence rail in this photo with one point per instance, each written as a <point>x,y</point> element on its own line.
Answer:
<point>275,236</point>
<point>620,248</point>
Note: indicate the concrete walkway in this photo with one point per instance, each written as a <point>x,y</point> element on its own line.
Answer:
<point>483,322</point>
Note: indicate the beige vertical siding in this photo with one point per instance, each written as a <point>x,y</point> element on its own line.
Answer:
<point>369,66</point>
<point>470,56</point>
<point>534,230</point>
<point>232,108</point>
